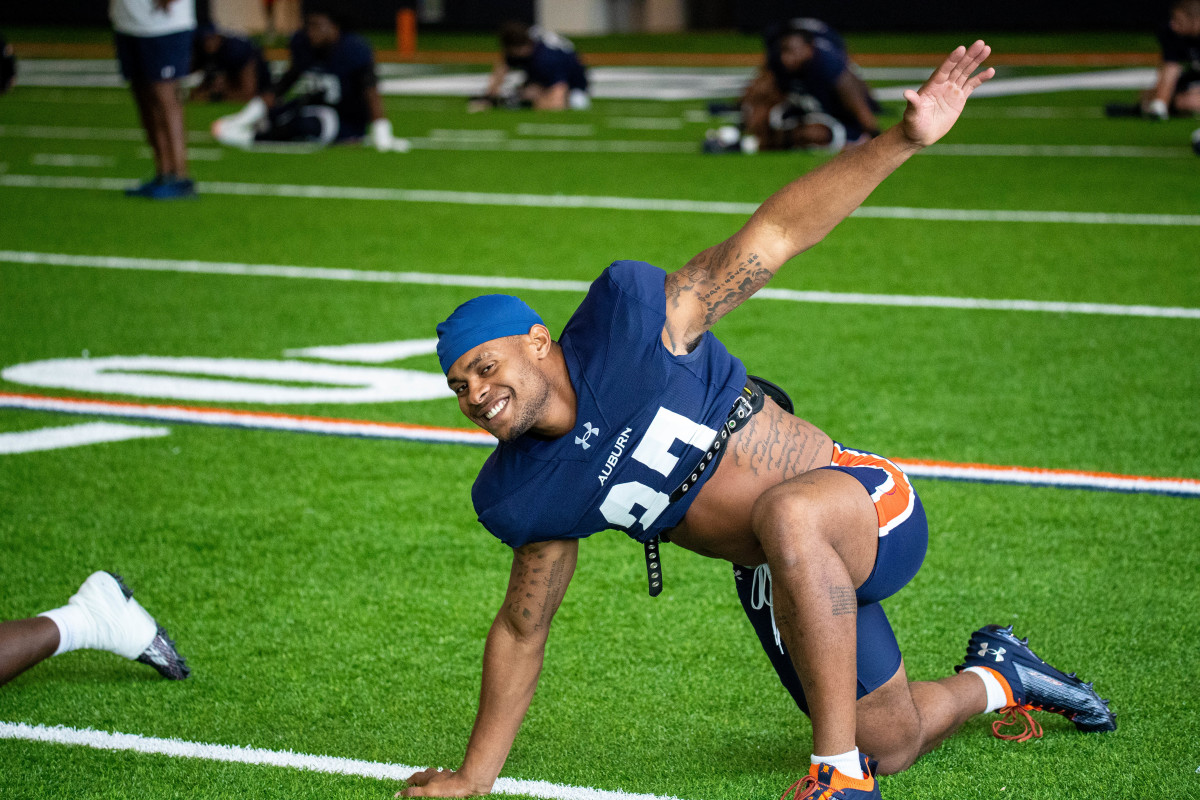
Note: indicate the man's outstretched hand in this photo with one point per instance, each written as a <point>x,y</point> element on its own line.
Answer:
<point>934,108</point>
<point>440,783</point>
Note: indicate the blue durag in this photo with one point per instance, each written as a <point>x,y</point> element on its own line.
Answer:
<point>480,320</point>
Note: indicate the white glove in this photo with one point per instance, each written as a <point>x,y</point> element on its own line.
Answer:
<point>381,134</point>
<point>1157,109</point>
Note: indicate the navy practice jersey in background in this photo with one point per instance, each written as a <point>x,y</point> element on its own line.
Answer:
<point>553,61</point>
<point>817,78</point>
<point>231,58</point>
<point>337,76</point>
<point>1183,50</point>
<point>644,418</point>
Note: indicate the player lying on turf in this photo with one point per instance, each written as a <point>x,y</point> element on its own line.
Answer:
<point>102,615</point>
<point>639,419</point>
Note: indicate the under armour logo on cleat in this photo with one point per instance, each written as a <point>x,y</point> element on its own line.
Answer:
<point>583,440</point>
<point>984,650</point>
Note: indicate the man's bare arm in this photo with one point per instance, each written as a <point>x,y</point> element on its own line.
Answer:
<point>512,662</point>
<point>800,214</point>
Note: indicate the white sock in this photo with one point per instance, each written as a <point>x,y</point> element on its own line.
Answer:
<point>72,622</point>
<point>996,698</point>
<point>253,111</point>
<point>849,764</point>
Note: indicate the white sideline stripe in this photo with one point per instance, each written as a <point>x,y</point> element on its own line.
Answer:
<point>979,473</point>
<point>73,436</point>
<point>251,420</point>
<point>545,285</point>
<point>318,192</point>
<point>234,754</point>
<point>1061,479</point>
<point>1137,78</point>
<point>1031,112</point>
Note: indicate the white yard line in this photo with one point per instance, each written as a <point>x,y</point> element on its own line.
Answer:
<point>70,160</point>
<point>317,192</point>
<point>560,145</point>
<point>255,420</point>
<point>86,134</point>
<point>1059,151</point>
<point>492,140</point>
<point>234,754</point>
<point>649,83</point>
<point>73,436</point>
<point>544,285</point>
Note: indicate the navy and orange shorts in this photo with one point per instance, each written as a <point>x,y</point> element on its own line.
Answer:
<point>903,537</point>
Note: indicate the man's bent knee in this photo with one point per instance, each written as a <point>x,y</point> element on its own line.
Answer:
<point>819,509</point>
<point>889,726</point>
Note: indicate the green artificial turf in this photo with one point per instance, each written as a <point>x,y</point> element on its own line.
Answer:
<point>332,595</point>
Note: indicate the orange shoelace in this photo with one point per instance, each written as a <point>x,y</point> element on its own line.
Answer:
<point>803,789</point>
<point>1013,715</point>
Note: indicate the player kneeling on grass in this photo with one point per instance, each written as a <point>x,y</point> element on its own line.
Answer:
<point>102,615</point>
<point>807,96</point>
<point>336,97</point>
<point>555,78</point>
<point>1176,90</point>
<point>639,419</point>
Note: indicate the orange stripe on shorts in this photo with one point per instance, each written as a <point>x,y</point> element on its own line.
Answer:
<point>893,499</point>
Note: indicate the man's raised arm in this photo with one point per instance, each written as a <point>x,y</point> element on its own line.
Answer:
<point>512,662</point>
<point>801,214</point>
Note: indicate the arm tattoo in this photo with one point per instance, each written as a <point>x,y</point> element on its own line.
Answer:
<point>720,279</point>
<point>534,589</point>
<point>843,601</point>
<point>734,288</point>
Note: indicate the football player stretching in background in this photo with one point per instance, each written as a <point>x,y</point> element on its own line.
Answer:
<point>639,419</point>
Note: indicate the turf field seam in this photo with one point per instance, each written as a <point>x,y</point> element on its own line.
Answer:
<point>558,285</point>
<point>179,748</point>
<point>254,420</point>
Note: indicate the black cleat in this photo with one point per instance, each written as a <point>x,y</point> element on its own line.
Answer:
<point>161,653</point>
<point>1123,110</point>
<point>1032,684</point>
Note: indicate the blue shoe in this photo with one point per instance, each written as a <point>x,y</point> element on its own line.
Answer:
<point>144,189</point>
<point>1032,684</point>
<point>823,782</point>
<point>173,189</point>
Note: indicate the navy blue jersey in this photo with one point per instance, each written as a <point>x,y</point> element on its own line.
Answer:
<point>1183,50</point>
<point>231,58</point>
<point>337,76</point>
<point>644,418</point>
<point>553,61</point>
<point>8,65</point>
<point>818,77</point>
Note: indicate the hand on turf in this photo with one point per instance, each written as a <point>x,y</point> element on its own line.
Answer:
<point>440,783</point>
<point>934,108</point>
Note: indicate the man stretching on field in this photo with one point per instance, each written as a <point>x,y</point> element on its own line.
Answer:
<point>639,419</point>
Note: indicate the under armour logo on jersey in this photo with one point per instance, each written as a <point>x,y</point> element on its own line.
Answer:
<point>589,429</point>
<point>984,650</point>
